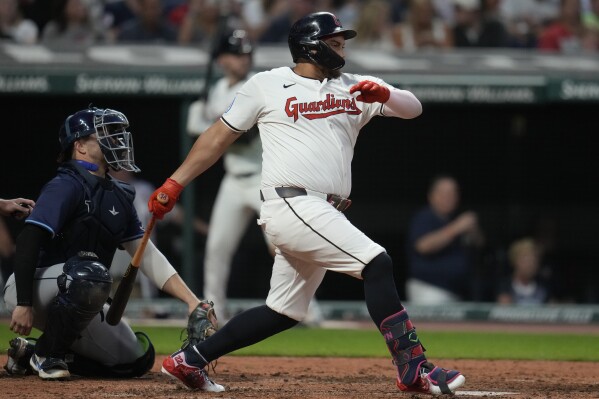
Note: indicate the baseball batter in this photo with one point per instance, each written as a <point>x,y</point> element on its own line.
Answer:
<point>60,284</point>
<point>309,118</point>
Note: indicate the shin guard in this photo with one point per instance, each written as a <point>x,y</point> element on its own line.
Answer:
<point>404,346</point>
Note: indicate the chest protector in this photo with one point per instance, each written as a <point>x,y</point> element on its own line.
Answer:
<point>101,218</point>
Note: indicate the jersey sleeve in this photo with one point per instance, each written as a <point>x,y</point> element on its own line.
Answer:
<point>57,202</point>
<point>244,110</point>
<point>134,229</point>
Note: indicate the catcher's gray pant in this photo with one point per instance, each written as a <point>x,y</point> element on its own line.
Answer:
<point>106,344</point>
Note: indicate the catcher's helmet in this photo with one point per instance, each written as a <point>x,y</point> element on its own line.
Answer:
<point>110,127</point>
<point>305,39</point>
<point>236,42</point>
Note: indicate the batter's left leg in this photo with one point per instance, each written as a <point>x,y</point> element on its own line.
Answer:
<point>244,329</point>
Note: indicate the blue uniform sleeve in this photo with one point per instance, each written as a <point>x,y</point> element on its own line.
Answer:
<point>57,203</point>
<point>135,229</point>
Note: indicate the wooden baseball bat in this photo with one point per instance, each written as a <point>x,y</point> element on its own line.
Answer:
<point>123,292</point>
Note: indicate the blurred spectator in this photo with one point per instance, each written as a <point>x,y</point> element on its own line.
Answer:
<point>259,13</point>
<point>71,25</point>
<point>199,20</point>
<point>116,13</point>
<point>590,22</point>
<point>277,30</point>
<point>538,13</point>
<point>422,28</point>
<point>439,244</point>
<point>374,26</point>
<point>149,25</point>
<point>13,26</point>
<point>565,34</point>
<point>476,26</point>
<point>347,11</point>
<point>445,10</point>
<point>590,16</point>
<point>524,286</point>
<point>524,19</point>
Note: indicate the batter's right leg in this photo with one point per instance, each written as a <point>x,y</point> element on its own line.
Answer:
<point>414,373</point>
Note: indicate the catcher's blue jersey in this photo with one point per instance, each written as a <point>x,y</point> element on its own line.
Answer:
<point>84,212</point>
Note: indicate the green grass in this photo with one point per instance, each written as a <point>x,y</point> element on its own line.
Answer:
<point>369,343</point>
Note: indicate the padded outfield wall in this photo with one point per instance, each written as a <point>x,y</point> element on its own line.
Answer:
<point>516,128</point>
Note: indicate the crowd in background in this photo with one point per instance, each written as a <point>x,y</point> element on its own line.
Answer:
<point>566,26</point>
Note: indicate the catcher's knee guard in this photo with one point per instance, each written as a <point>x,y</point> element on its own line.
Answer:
<point>404,346</point>
<point>86,367</point>
<point>84,287</point>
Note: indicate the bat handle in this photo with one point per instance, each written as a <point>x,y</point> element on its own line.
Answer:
<point>162,197</point>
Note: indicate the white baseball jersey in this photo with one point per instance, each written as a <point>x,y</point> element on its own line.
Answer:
<point>303,119</point>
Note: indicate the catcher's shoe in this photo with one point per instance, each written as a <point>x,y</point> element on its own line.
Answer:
<point>49,368</point>
<point>20,351</point>
<point>192,376</point>
<point>434,380</point>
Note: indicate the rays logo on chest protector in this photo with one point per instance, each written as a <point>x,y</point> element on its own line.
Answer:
<point>321,109</point>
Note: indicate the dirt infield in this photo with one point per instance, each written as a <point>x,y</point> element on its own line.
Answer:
<point>316,378</point>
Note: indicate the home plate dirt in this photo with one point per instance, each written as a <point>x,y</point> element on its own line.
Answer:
<point>317,378</point>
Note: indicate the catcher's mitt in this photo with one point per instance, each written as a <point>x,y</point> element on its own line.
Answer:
<point>201,324</point>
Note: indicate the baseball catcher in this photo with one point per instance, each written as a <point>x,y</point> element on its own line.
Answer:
<point>61,282</point>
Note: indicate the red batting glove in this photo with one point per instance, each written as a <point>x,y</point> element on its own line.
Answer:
<point>164,198</point>
<point>370,92</point>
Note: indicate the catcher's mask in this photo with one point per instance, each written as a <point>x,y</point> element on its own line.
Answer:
<point>110,127</point>
<point>305,39</point>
